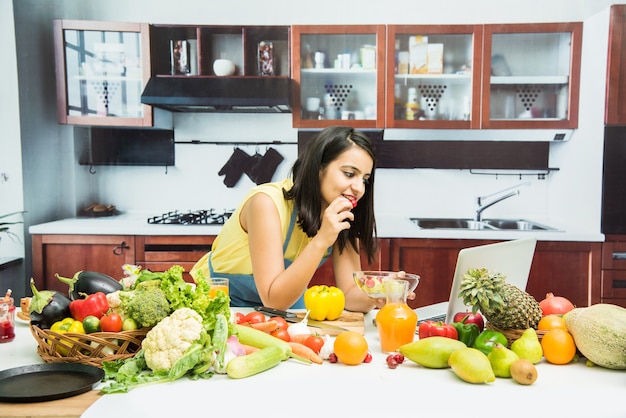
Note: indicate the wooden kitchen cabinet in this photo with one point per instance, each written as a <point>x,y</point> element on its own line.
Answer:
<point>531,75</point>
<point>569,269</point>
<point>338,73</point>
<point>614,270</point>
<point>507,76</point>
<point>325,275</point>
<point>68,254</point>
<point>159,253</point>
<point>615,109</point>
<point>203,44</point>
<point>442,92</point>
<point>101,70</point>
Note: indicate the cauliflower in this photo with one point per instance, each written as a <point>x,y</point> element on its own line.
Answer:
<point>170,338</point>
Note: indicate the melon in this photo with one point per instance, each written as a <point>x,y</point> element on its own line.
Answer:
<point>599,332</point>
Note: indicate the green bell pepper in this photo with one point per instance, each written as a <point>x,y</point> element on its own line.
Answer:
<point>467,332</point>
<point>487,339</point>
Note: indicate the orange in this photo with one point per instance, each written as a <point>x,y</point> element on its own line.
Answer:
<point>350,347</point>
<point>552,321</point>
<point>558,346</point>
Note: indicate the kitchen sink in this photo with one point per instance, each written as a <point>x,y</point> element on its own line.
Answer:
<point>485,224</point>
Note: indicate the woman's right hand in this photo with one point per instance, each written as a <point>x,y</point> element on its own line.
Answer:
<point>336,218</point>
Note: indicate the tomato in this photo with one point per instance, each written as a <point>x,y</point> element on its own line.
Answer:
<point>315,343</point>
<point>239,318</point>
<point>280,321</point>
<point>254,317</point>
<point>91,324</point>
<point>111,323</point>
<point>281,333</point>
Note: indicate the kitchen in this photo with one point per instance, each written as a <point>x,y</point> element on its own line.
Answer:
<point>39,147</point>
<point>569,198</point>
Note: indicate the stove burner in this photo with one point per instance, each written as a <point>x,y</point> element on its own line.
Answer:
<point>196,217</point>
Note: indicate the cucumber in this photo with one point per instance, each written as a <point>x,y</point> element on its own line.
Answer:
<point>260,339</point>
<point>253,363</point>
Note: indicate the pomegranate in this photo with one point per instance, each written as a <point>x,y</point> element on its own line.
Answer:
<point>555,305</point>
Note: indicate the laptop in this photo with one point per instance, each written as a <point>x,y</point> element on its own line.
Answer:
<point>511,258</point>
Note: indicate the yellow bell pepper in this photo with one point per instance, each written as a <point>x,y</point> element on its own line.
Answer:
<point>324,302</point>
<point>67,325</point>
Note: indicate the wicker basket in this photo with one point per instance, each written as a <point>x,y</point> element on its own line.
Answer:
<point>91,349</point>
<point>513,334</point>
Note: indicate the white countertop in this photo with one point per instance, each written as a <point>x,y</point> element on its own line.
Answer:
<point>388,225</point>
<point>293,389</point>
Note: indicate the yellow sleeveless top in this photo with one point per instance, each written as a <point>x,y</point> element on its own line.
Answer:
<point>230,252</point>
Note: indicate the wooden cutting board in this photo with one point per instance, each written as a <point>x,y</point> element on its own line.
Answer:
<point>352,321</point>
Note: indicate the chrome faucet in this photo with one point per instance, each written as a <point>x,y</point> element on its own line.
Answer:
<point>481,206</point>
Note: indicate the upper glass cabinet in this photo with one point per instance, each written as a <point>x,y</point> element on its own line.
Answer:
<point>102,68</point>
<point>531,75</point>
<point>432,74</point>
<point>339,75</point>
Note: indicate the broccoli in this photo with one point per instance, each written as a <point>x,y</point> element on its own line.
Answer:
<point>147,304</point>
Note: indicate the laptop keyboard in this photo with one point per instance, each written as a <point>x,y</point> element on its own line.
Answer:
<point>436,318</point>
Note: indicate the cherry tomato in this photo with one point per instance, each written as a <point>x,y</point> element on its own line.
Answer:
<point>254,317</point>
<point>280,321</point>
<point>314,342</point>
<point>239,318</point>
<point>281,333</point>
<point>111,323</point>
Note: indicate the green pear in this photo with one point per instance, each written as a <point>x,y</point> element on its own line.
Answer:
<point>471,365</point>
<point>528,346</point>
<point>501,359</point>
<point>432,352</point>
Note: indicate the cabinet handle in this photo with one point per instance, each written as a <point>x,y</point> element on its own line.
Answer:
<point>119,249</point>
<point>619,256</point>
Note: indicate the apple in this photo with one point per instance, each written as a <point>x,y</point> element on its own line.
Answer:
<point>472,318</point>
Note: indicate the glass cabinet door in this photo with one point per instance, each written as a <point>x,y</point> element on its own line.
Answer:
<point>531,75</point>
<point>433,74</point>
<point>338,75</point>
<point>102,68</point>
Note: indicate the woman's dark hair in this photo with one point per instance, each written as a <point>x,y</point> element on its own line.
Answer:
<point>322,149</point>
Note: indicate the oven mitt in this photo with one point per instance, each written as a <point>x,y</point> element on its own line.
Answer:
<point>234,167</point>
<point>251,166</point>
<point>265,169</point>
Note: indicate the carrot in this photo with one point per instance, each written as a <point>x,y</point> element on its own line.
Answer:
<point>304,351</point>
<point>299,338</point>
<point>249,349</point>
<point>267,326</point>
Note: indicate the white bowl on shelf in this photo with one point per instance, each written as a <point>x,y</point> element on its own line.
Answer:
<point>223,67</point>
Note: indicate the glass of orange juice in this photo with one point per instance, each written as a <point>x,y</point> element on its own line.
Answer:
<point>396,321</point>
<point>218,283</point>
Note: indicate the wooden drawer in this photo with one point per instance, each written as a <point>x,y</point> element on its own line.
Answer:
<point>159,253</point>
<point>614,255</point>
<point>614,284</point>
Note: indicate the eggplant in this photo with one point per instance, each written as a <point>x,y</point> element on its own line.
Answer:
<point>48,307</point>
<point>89,282</point>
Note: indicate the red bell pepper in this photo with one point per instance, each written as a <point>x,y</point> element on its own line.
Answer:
<point>95,304</point>
<point>436,328</point>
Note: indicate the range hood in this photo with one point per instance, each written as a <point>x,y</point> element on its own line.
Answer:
<point>219,94</point>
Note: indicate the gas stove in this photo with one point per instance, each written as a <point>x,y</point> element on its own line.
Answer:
<point>192,217</point>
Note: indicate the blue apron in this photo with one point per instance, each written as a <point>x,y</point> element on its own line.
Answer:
<point>242,289</point>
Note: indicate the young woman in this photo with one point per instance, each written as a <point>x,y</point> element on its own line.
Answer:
<point>283,231</point>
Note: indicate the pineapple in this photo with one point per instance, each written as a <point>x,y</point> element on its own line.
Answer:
<point>505,306</point>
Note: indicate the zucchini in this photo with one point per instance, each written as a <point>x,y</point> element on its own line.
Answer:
<point>253,363</point>
<point>256,338</point>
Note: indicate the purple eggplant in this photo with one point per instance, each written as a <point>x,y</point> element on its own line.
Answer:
<point>89,282</point>
<point>47,307</point>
